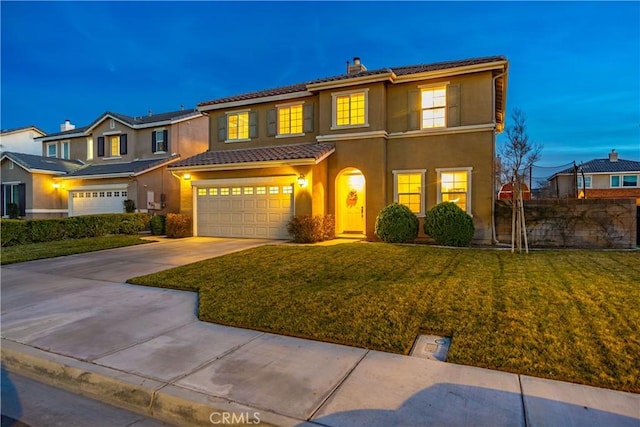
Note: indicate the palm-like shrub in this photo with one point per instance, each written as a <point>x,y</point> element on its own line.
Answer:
<point>449,225</point>
<point>397,224</point>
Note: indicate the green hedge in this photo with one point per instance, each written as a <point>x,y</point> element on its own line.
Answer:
<point>158,225</point>
<point>311,229</point>
<point>17,232</point>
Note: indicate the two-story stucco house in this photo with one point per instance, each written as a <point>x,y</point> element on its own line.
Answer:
<point>608,178</point>
<point>348,145</point>
<point>95,168</point>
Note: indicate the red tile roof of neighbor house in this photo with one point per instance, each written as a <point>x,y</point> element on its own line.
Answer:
<point>398,71</point>
<point>313,151</point>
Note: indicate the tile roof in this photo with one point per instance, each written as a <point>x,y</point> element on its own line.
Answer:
<point>398,71</point>
<point>605,166</point>
<point>313,151</point>
<point>108,168</point>
<point>30,161</point>
<point>65,132</point>
<point>5,131</point>
<point>154,118</point>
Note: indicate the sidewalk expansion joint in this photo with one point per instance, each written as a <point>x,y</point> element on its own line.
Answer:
<point>524,406</point>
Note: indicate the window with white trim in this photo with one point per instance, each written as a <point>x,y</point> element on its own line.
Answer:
<point>64,148</point>
<point>350,109</point>
<point>619,181</point>
<point>409,189</point>
<point>52,150</point>
<point>587,181</point>
<point>454,185</point>
<point>290,120</point>
<point>89,148</point>
<point>238,126</point>
<point>115,145</point>
<point>433,104</point>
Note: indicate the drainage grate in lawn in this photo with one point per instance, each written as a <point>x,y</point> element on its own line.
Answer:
<point>431,347</point>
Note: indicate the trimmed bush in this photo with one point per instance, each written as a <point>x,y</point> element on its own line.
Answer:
<point>129,206</point>
<point>397,224</point>
<point>13,211</point>
<point>158,225</point>
<point>449,225</point>
<point>311,229</point>
<point>47,230</point>
<point>13,232</point>
<point>178,225</point>
<point>133,223</point>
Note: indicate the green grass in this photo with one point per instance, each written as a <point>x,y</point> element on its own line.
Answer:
<point>567,315</point>
<point>33,251</point>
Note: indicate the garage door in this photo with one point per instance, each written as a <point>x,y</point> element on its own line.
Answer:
<point>247,210</point>
<point>97,202</point>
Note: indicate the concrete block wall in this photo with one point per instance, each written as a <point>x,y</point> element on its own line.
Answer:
<point>574,223</point>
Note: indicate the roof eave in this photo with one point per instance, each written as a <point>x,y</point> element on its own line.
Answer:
<point>250,165</point>
<point>454,71</point>
<point>352,81</point>
<point>259,100</point>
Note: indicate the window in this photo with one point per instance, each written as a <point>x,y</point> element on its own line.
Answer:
<point>290,120</point>
<point>202,191</point>
<point>618,181</point>
<point>409,189</point>
<point>52,150</point>
<point>261,190</point>
<point>213,191</point>
<point>65,149</point>
<point>454,185</point>
<point>248,190</point>
<point>224,191</point>
<point>236,191</point>
<point>274,190</point>
<point>350,109</point>
<point>89,148</point>
<point>238,126</point>
<point>287,189</point>
<point>587,181</point>
<point>13,193</point>
<point>434,102</point>
<point>115,145</point>
<point>159,143</point>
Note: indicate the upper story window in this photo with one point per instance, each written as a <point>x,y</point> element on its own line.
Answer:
<point>89,148</point>
<point>290,120</point>
<point>350,109</point>
<point>454,185</point>
<point>434,103</point>
<point>117,145</point>
<point>64,146</point>
<point>618,181</point>
<point>52,150</point>
<point>237,126</point>
<point>408,189</point>
<point>160,141</point>
<point>586,183</point>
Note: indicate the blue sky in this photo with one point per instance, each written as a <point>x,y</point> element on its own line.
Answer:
<point>574,66</point>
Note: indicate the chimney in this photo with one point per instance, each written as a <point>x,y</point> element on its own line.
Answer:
<point>66,126</point>
<point>613,156</point>
<point>150,113</point>
<point>356,67</point>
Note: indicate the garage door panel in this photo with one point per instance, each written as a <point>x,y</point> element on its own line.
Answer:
<point>97,202</point>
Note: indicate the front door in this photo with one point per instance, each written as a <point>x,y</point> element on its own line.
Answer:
<point>351,202</point>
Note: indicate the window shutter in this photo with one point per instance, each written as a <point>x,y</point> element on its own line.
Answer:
<point>101,146</point>
<point>222,128</point>
<point>22,199</point>
<point>253,124</point>
<point>272,125</point>
<point>165,144</point>
<point>453,105</point>
<point>123,143</point>
<point>307,114</point>
<point>4,188</point>
<point>413,110</point>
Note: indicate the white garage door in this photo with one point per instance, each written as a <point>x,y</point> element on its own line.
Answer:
<point>247,210</point>
<point>97,202</point>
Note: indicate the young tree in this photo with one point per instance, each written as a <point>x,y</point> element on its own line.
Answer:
<point>517,156</point>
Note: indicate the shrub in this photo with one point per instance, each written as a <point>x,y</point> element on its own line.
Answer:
<point>46,230</point>
<point>13,232</point>
<point>449,225</point>
<point>133,223</point>
<point>397,224</point>
<point>178,225</point>
<point>13,211</point>
<point>158,225</point>
<point>311,229</point>
<point>129,206</point>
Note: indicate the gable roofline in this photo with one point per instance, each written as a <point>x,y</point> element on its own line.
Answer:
<point>19,159</point>
<point>147,166</point>
<point>602,167</point>
<point>20,129</point>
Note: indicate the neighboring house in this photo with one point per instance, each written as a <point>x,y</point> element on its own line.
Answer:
<point>21,140</point>
<point>29,182</point>
<point>122,158</point>
<point>348,146</point>
<point>598,179</point>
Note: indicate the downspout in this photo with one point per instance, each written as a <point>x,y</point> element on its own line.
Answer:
<point>494,237</point>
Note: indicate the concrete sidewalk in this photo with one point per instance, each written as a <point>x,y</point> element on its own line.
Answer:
<point>71,322</point>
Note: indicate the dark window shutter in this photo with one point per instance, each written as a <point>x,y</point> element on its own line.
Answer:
<point>253,124</point>
<point>153,141</point>
<point>453,105</point>
<point>123,143</point>
<point>165,144</point>
<point>307,114</point>
<point>4,188</point>
<point>413,110</point>
<point>222,128</point>
<point>101,146</point>
<point>22,199</point>
<point>272,122</point>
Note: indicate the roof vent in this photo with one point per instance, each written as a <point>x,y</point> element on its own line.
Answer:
<point>66,126</point>
<point>613,156</point>
<point>357,66</point>
<point>150,113</point>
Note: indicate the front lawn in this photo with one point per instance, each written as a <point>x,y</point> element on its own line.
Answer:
<point>33,251</point>
<point>567,315</point>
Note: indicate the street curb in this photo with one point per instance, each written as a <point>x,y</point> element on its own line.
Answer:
<point>163,401</point>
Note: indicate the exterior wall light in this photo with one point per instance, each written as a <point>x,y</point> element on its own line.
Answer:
<point>302,181</point>
<point>187,176</point>
<point>56,185</point>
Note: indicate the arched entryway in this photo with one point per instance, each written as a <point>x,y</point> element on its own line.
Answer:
<point>350,202</point>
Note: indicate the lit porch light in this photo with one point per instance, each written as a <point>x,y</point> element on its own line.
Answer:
<point>186,176</point>
<point>302,181</point>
